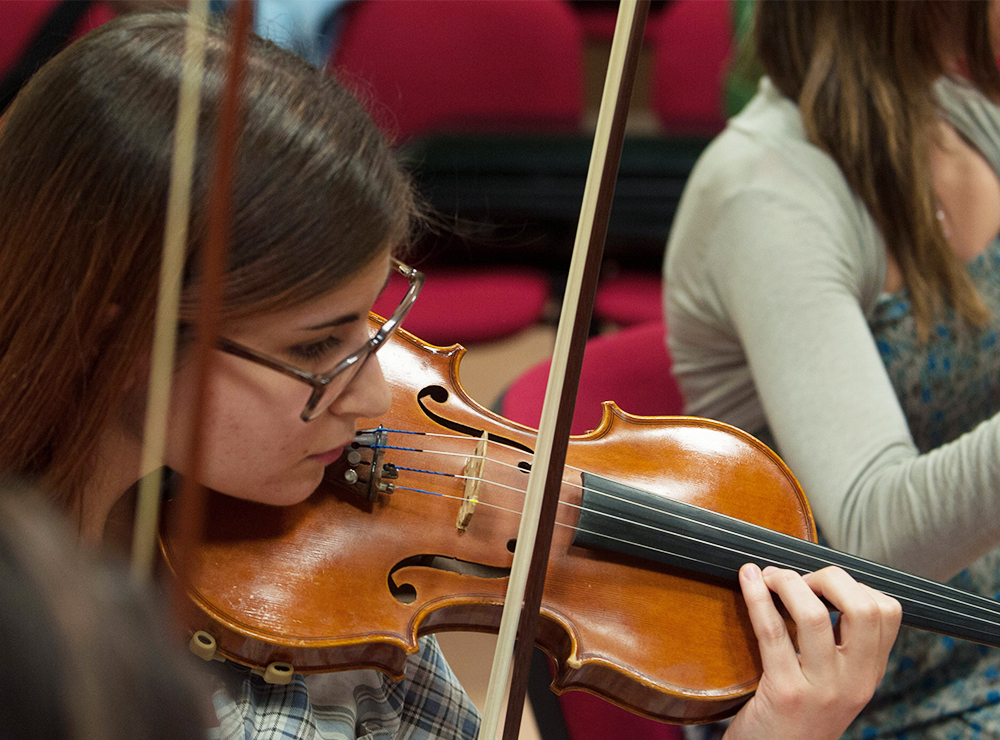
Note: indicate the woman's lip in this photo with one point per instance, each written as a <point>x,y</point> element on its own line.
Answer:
<point>329,457</point>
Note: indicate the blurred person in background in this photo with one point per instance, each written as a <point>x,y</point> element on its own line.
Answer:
<point>832,285</point>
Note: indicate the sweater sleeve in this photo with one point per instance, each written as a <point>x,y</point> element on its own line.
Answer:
<point>787,275</point>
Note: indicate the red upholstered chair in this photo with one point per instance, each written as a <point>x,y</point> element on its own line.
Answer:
<point>632,368</point>
<point>692,45</point>
<point>20,20</point>
<point>466,66</point>
<point>470,306</point>
<point>630,298</point>
<point>460,65</point>
<point>598,18</point>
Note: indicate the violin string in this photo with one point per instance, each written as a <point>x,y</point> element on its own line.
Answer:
<point>485,504</point>
<point>463,437</point>
<point>498,507</point>
<point>735,550</point>
<point>459,476</point>
<point>519,490</point>
<point>460,437</point>
<point>991,604</point>
<point>749,556</point>
<point>444,453</point>
<point>860,563</point>
<point>992,623</point>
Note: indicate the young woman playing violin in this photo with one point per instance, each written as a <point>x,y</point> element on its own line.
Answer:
<point>320,207</point>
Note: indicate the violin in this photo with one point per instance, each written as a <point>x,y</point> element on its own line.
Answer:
<point>413,531</point>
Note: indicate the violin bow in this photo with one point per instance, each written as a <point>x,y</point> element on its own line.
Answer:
<point>527,579</point>
<point>169,295</point>
<point>213,258</point>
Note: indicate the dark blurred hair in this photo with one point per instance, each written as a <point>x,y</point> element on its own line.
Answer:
<point>85,155</point>
<point>862,73</point>
<point>85,654</point>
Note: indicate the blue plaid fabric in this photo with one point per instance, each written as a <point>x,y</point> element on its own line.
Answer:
<point>428,703</point>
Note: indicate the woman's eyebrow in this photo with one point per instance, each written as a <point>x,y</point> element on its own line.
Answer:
<point>339,321</point>
<point>346,318</point>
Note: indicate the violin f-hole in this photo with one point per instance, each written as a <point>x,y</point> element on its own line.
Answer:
<point>406,593</point>
<point>439,394</point>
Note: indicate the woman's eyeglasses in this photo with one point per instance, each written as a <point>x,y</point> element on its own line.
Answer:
<point>326,387</point>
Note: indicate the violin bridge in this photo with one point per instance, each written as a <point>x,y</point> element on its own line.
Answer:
<point>473,473</point>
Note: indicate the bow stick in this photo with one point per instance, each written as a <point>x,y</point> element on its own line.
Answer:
<point>213,258</point>
<point>169,295</point>
<point>527,578</point>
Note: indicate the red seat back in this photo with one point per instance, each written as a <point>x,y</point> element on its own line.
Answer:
<point>458,65</point>
<point>692,46</point>
<point>470,306</point>
<point>630,367</point>
<point>630,298</point>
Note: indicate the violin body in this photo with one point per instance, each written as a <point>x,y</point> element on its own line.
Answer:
<point>352,576</point>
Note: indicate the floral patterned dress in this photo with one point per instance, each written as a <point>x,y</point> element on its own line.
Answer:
<point>936,687</point>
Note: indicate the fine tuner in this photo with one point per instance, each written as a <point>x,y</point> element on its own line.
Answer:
<point>378,473</point>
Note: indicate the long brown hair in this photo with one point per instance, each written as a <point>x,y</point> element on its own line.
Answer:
<point>862,74</point>
<point>85,156</point>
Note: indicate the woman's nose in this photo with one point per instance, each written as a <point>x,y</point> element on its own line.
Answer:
<point>367,395</point>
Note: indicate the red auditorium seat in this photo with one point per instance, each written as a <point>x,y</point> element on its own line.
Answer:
<point>630,367</point>
<point>470,306</point>
<point>20,21</point>
<point>460,65</point>
<point>32,31</point>
<point>692,44</point>
<point>630,298</point>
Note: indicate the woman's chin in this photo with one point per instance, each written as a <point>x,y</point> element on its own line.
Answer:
<point>286,493</point>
